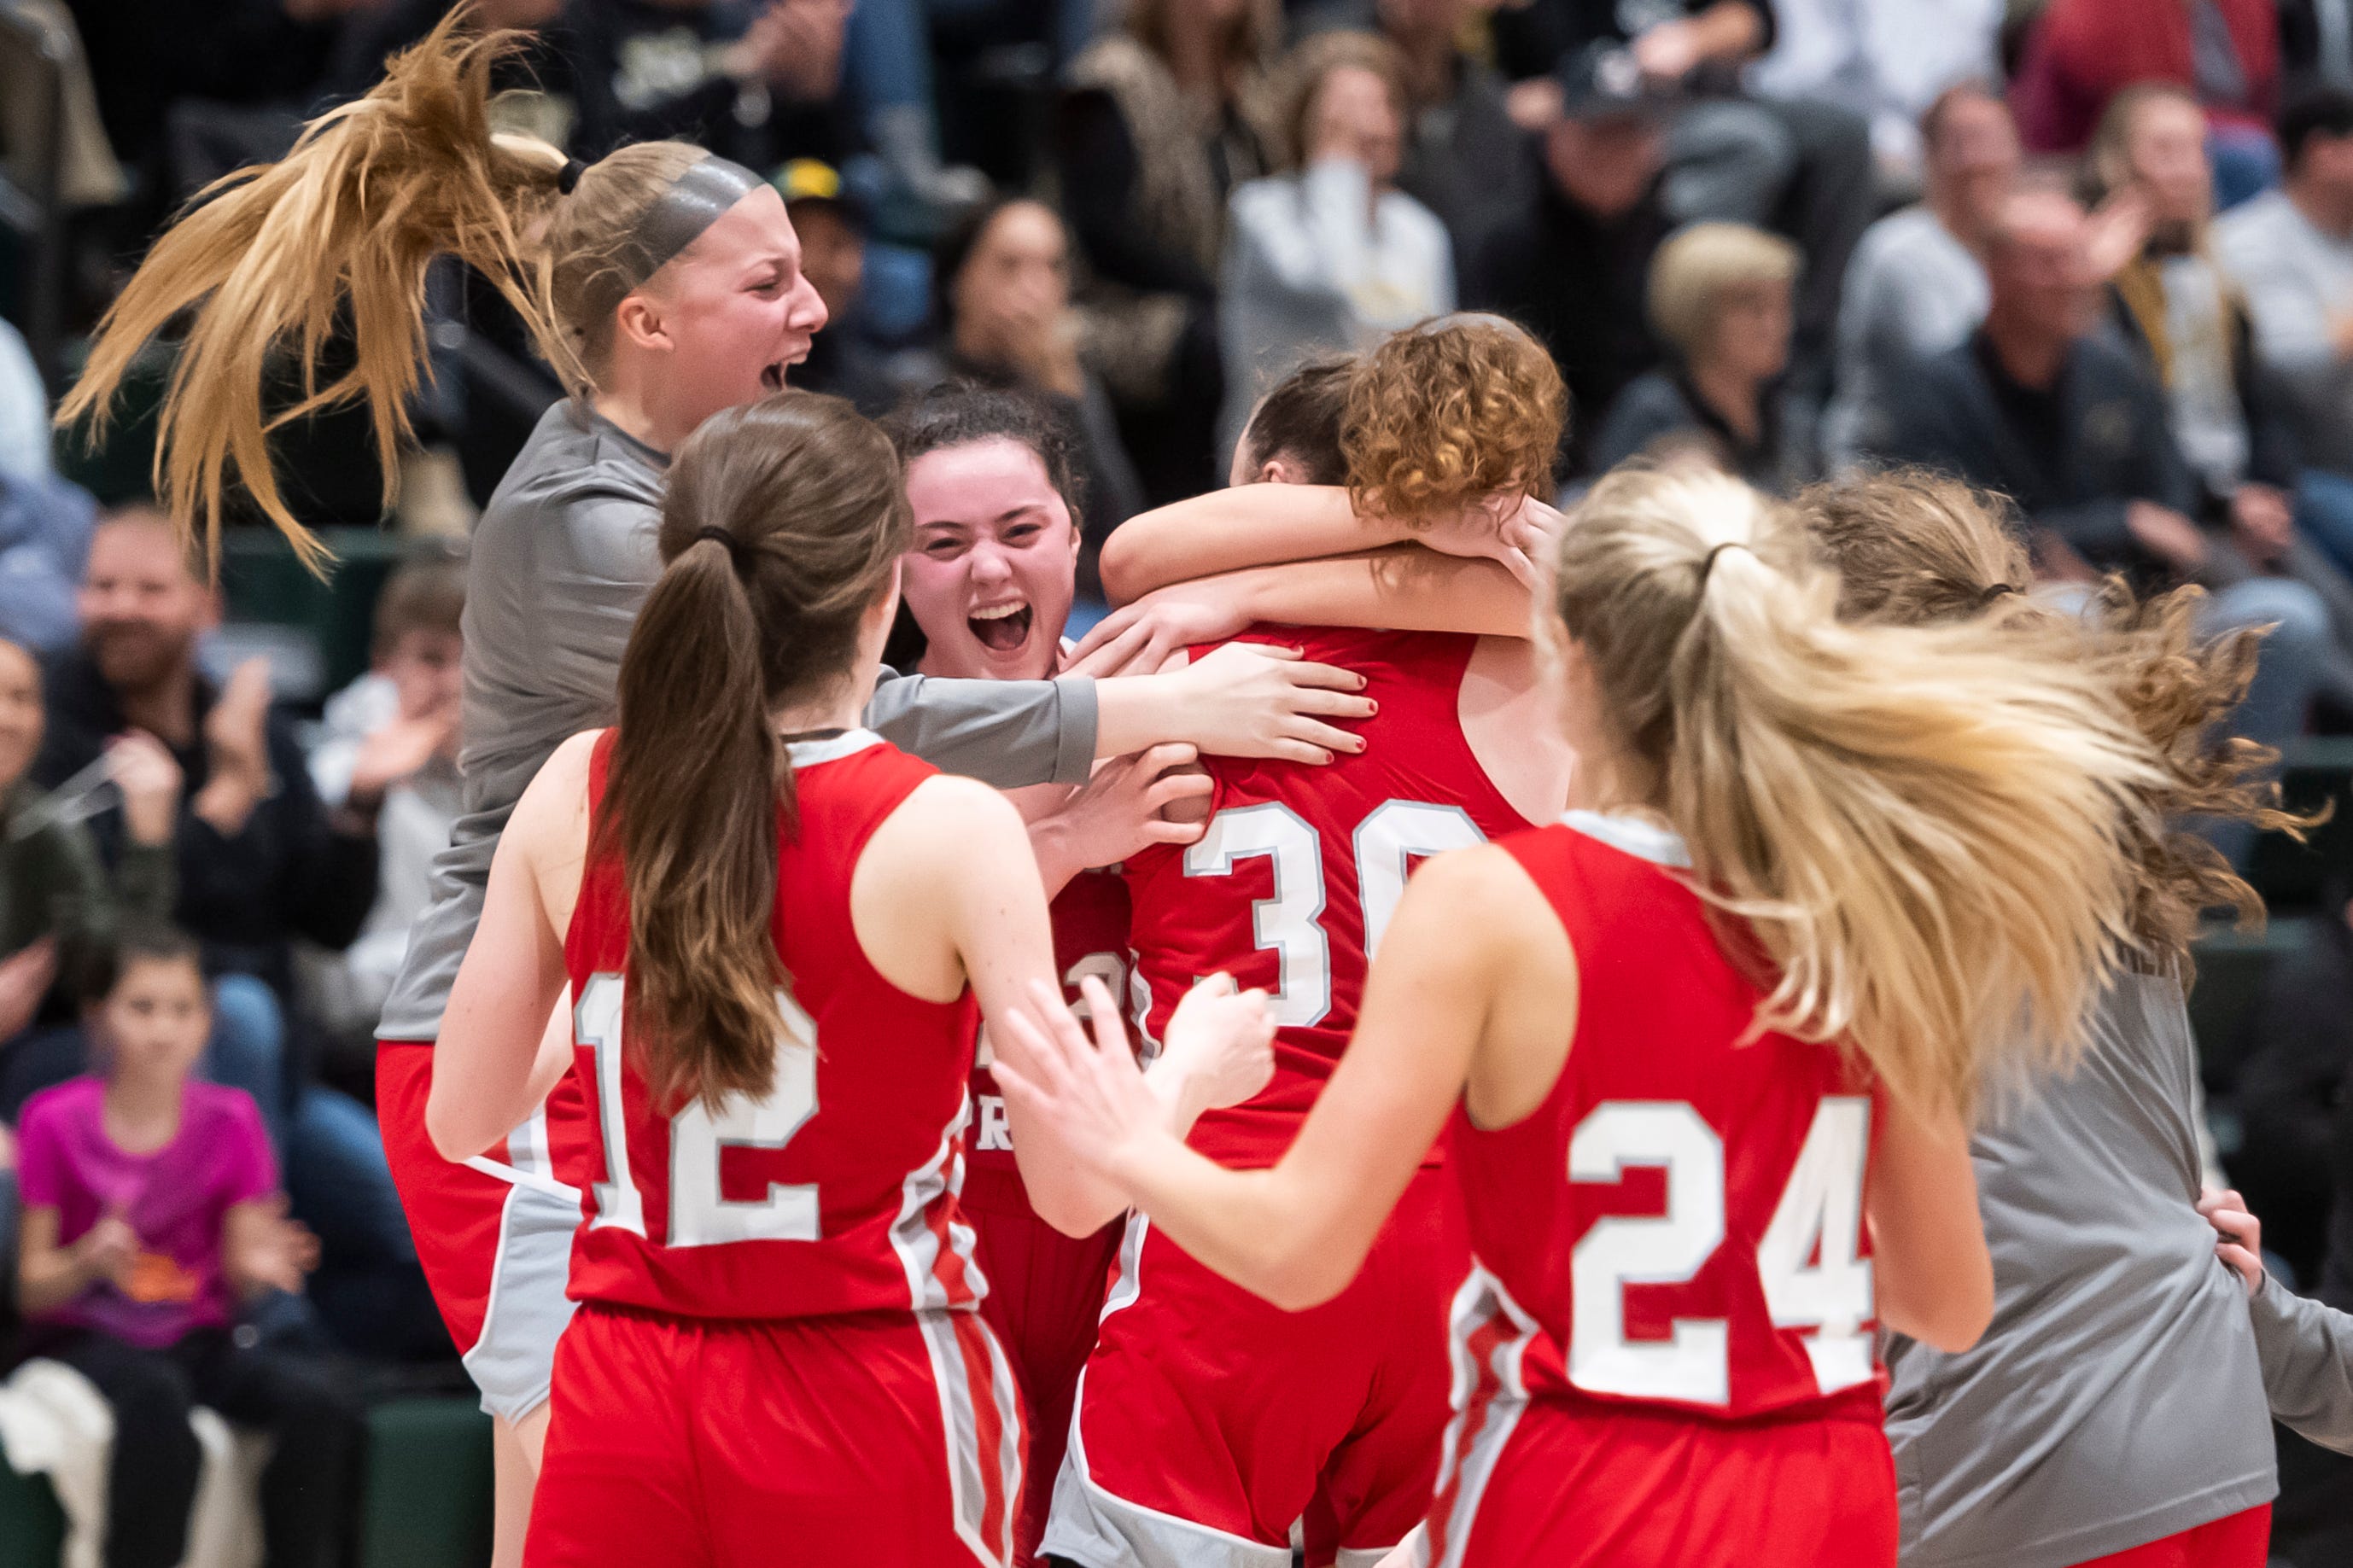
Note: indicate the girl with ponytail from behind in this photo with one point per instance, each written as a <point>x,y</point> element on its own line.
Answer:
<point>778,928</point>
<point>663,284</point>
<point>1704,1052</point>
<point>2109,1303</point>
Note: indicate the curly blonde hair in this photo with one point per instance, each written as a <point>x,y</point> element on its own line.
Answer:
<point>1444,413</point>
<point>1912,549</point>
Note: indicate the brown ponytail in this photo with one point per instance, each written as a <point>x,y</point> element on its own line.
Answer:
<point>781,525</point>
<point>1913,549</point>
<point>276,256</point>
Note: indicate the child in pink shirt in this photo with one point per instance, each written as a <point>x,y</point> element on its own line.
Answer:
<point>150,1210</point>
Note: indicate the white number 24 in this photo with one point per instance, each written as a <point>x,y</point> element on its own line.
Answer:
<point>699,1217</point>
<point>1819,1208</point>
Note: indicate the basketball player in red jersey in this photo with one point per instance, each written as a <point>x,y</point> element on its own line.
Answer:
<point>988,586</point>
<point>1209,1423</point>
<point>1703,1052</point>
<point>776,926</point>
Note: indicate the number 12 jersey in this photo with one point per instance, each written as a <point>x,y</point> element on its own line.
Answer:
<point>835,1191</point>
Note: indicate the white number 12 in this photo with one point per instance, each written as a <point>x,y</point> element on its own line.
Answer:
<point>699,1217</point>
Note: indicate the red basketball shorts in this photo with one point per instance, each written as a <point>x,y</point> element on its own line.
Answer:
<point>1045,1292</point>
<point>884,1440</point>
<point>494,1232</point>
<point>1586,1485</point>
<point>2242,1539</point>
<point>1210,1421</point>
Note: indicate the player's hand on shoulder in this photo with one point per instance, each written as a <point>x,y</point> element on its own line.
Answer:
<point>1155,797</point>
<point>1246,700</point>
<point>1144,637</point>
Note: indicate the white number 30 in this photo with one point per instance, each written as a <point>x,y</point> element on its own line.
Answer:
<point>1819,1212</point>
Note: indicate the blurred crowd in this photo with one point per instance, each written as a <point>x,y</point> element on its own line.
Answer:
<point>2097,255</point>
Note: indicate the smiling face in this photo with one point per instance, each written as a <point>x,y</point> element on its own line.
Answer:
<point>141,608</point>
<point>732,310</point>
<point>991,576</point>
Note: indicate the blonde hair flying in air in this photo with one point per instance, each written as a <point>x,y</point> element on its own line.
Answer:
<point>337,235</point>
<point>1917,836</point>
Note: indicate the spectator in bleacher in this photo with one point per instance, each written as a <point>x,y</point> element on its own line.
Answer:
<point>1463,157</point>
<point>2290,251</point>
<point>261,862</point>
<point>1887,60</point>
<point>842,360</point>
<point>2225,53</point>
<point>147,57</point>
<point>1161,121</point>
<point>1329,256</point>
<point>23,410</point>
<point>396,723</point>
<point>1003,282</point>
<point>1575,268</point>
<point>758,84</point>
<point>1800,167</point>
<point>1917,286</point>
<point>2316,45</point>
<point>1719,300</point>
<point>45,526</point>
<point>59,900</point>
<point>2177,308</point>
<point>151,1216</point>
<point>2288,1094</point>
<point>2036,405</point>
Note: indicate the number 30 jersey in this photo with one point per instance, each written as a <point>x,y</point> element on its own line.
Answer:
<point>1681,1222</point>
<point>835,1191</point>
<point>1295,880</point>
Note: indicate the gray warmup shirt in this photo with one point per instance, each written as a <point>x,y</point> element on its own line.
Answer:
<point>564,555</point>
<point>2118,1397</point>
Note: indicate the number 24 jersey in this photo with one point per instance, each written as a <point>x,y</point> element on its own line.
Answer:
<point>1680,1223</point>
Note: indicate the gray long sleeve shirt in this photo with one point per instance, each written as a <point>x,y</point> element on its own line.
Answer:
<point>2116,1397</point>
<point>2307,1354</point>
<point>564,555</point>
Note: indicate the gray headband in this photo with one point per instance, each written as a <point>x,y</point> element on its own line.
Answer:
<point>707,188</point>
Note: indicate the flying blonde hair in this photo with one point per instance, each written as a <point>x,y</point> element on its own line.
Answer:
<point>339,232</point>
<point>1914,837</point>
<point>1914,548</point>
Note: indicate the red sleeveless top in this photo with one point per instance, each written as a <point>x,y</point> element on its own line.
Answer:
<point>835,1192</point>
<point>1680,1222</point>
<point>1301,866</point>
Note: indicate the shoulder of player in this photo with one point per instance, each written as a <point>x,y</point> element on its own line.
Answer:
<point>953,814</point>
<point>555,804</point>
<point>1482,898</point>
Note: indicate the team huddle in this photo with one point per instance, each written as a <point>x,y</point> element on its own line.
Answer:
<point>1441,1034</point>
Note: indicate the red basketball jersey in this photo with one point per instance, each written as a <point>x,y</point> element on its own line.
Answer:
<point>1681,1222</point>
<point>835,1191</point>
<point>1090,919</point>
<point>1301,869</point>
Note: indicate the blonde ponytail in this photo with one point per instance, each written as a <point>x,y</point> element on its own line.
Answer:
<point>274,257</point>
<point>1919,832</point>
